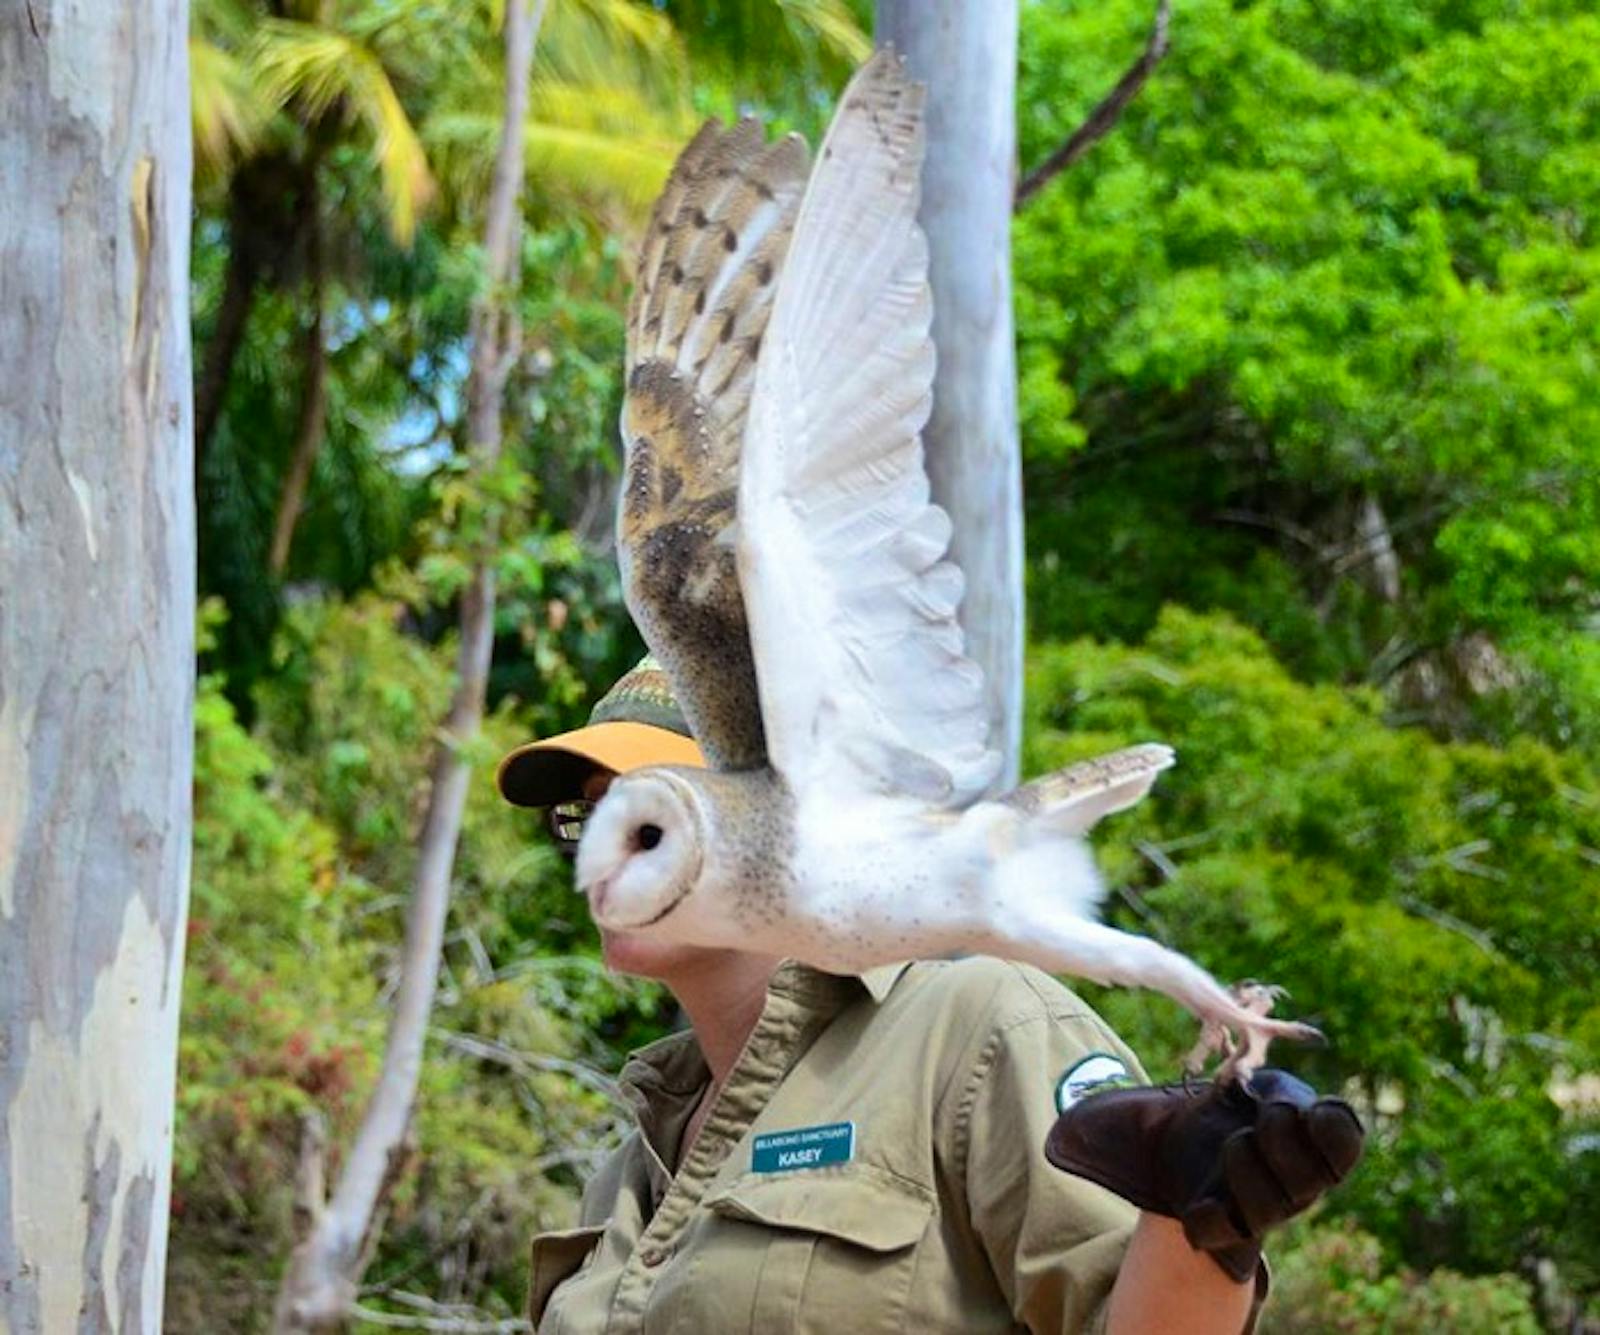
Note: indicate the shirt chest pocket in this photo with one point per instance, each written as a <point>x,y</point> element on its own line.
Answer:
<point>556,1258</point>
<point>825,1250</point>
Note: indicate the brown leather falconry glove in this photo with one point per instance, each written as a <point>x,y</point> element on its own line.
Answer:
<point>1228,1162</point>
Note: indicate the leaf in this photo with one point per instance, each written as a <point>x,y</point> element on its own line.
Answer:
<point>323,73</point>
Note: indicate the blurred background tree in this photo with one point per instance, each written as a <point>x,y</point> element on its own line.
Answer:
<point>1307,350</point>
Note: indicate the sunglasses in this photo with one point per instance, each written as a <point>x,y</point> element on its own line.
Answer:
<point>565,820</point>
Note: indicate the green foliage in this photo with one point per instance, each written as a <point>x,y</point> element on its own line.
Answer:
<point>1330,260</point>
<point>1430,905</point>
<point>773,58</point>
<point>347,150</point>
<point>360,508</point>
<point>1332,1283</point>
<point>1307,370</point>
<point>304,845</point>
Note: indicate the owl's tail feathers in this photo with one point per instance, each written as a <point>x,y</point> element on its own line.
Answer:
<point>1048,868</point>
<point>1073,800</point>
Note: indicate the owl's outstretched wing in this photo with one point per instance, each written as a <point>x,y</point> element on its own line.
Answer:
<point>865,683</point>
<point>708,273</point>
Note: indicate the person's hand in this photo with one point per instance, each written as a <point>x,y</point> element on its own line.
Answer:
<point>1228,1162</point>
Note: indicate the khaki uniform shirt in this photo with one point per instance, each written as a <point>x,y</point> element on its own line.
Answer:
<point>874,1162</point>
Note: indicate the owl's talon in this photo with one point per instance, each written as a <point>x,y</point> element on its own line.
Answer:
<point>1243,1049</point>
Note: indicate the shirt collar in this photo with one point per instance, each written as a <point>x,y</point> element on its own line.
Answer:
<point>670,1065</point>
<point>675,1065</point>
<point>663,1081</point>
<point>829,993</point>
<point>881,980</point>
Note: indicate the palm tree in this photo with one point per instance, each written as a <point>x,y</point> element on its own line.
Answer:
<point>819,40</point>
<point>285,89</point>
<point>319,121</point>
<point>278,87</point>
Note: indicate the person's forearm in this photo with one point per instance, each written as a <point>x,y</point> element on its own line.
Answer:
<point>1165,1285</point>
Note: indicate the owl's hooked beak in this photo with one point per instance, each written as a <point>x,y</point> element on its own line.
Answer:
<point>595,875</point>
<point>596,891</point>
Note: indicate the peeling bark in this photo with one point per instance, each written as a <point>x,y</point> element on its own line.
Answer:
<point>321,1281</point>
<point>966,53</point>
<point>96,652</point>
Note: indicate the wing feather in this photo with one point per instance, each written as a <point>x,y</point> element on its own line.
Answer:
<point>865,684</point>
<point>708,273</point>
<point>1073,800</point>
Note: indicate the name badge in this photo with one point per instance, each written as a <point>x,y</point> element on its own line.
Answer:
<point>807,1147</point>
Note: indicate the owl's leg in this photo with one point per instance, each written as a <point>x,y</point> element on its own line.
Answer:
<point>1093,950</point>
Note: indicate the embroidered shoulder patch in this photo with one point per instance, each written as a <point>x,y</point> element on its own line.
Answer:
<point>1098,1071</point>
<point>805,1147</point>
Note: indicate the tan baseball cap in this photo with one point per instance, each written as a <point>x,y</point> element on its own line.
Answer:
<point>636,723</point>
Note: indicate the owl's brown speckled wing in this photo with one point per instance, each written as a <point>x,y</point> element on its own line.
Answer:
<point>708,270</point>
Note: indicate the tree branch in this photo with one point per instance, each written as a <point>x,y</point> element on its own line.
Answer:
<point>1439,918</point>
<point>456,1324</point>
<point>320,1283</point>
<point>1099,121</point>
<point>310,1196</point>
<point>486,1049</point>
<point>313,419</point>
<point>1275,524</point>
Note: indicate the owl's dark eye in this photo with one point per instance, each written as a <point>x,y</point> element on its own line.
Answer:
<point>649,836</point>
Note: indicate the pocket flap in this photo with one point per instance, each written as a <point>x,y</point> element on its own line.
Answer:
<point>861,1205</point>
<point>556,1257</point>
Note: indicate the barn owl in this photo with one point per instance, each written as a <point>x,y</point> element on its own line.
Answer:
<point>783,561</point>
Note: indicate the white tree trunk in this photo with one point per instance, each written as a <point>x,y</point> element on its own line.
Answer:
<point>96,651</point>
<point>966,53</point>
<point>321,1281</point>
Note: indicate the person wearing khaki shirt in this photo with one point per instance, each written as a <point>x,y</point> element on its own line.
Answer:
<point>928,1207</point>
<point>823,1153</point>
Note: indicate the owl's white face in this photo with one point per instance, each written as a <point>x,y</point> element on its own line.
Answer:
<point>641,851</point>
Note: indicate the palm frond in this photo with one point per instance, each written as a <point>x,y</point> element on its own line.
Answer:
<point>419,39</point>
<point>225,23</point>
<point>320,70</point>
<point>595,165</point>
<point>567,164</point>
<point>228,113</point>
<point>615,107</point>
<point>785,37</point>
<point>830,24</point>
<point>610,108</point>
<point>625,22</point>
<point>618,42</point>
